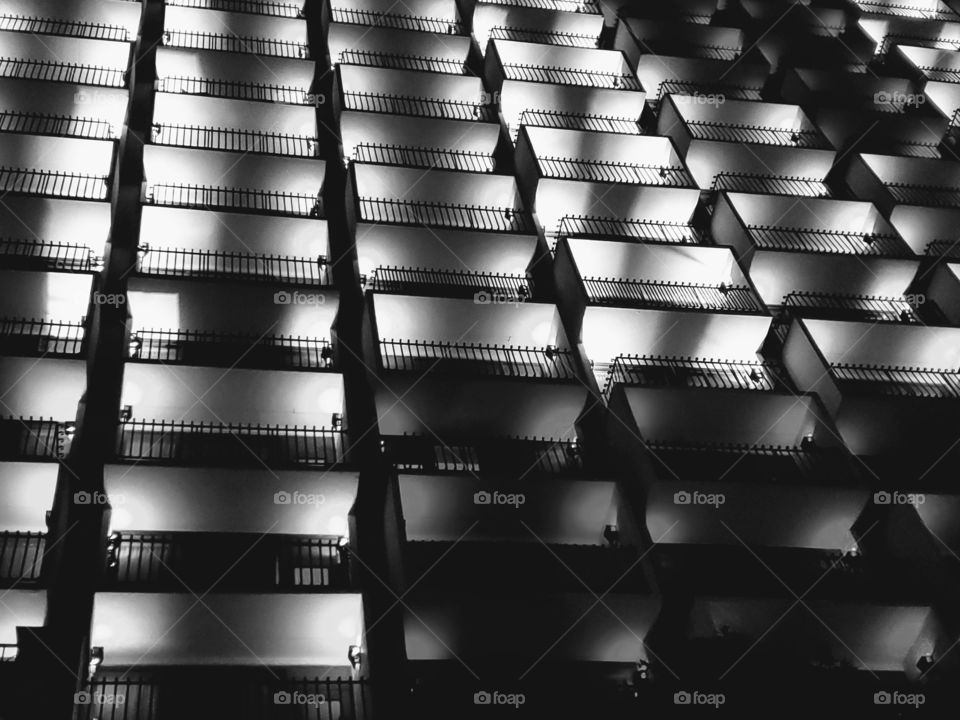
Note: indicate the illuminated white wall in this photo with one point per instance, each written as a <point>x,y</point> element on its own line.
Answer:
<point>21,608</point>
<point>692,264</point>
<point>177,109</point>
<point>381,129</point>
<point>75,222</point>
<point>886,344</point>
<point>176,392</point>
<point>145,629</point>
<point>920,225</point>
<point>436,186</point>
<point>47,98</point>
<point>652,70</point>
<point>62,297</point>
<point>944,290</point>
<point>65,50</point>
<point>445,9</point>
<point>26,494</point>
<point>243,25</point>
<point>163,499</point>
<point>104,12</point>
<point>58,154</point>
<point>236,67</point>
<point>518,95</point>
<point>410,83</point>
<point>487,16</point>
<point>558,198</point>
<point>366,38</point>
<point>45,387</point>
<point>939,513</point>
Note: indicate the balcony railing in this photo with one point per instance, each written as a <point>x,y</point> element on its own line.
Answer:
<point>146,693</point>
<point>422,157</point>
<point>929,195</point>
<point>258,92</point>
<point>543,37</point>
<point>419,107</point>
<point>54,184</point>
<point>505,361</point>
<point>235,44</point>
<point>37,255</point>
<point>526,456</point>
<point>195,347</point>
<point>494,219</point>
<point>245,141</point>
<point>792,239</point>
<point>21,557</point>
<point>401,62</point>
<point>587,7</point>
<point>897,381</point>
<point>905,10</point>
<point>56,125</point>
<point>228,445</point>
<point>949,249</point>
<point>223,562</point>
<point>177,262</point>
<point>771,185</point>
<point>570,76</point>
<point>451,283</point>
<point>704,91</point>
<point>34,438</point>
<point>577,121</point>
<point>437,26</point>
<point>211,197</point>
<point>671,295</point>
<point>572,226</point>
<point>8,652</point>
<point>864,308</point>
<point>62,72</point>
<point>939,74</point>
<point>926,41</point>
<point>254,7</point>
<point>756,134</point>
<point>614,172</point>
<point>660,371</point>
<point>64,28</point>
<point>41,338</point>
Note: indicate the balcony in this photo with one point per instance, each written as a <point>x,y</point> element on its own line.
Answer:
<point>707,91</point>
<point>62,72</point>
<point>233,89</point>
<point>653,371</point>
<point>256,7</point>
<point>562,39</point>
<point>423,157</point>
<point>364,58</point>
<point>55,184</point>
<point>63,28</point>
<point>577,121</point>
<point>756,135</point>
<point>788,186</point>
<point>234,140</point>
<point>473,359</point>
<point>613,172</point>
<point>671,295</point>
<point>422,107</point>
<point>397,21</point>
<point>235,44</point>
<point>570,76</point>
<point>572,226</point>
<point>910,382</point>
<point>447,283</point>
<point>532,456</point>
<point>42,338</point>
<point>29,438</point>
<point>491,219</point>
<point>21,558</point>
<point>839,242</point>
<point>222,562</point>
<point>56,125</point>
<point>862,308</point>
<point>639,36</point>
<point>210,197</point>
<point>44,256</point>
<point>179,262</point>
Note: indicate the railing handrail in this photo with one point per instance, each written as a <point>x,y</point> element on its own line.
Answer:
<point>167,345</point>
<point>883,47</point>
<point>708,87</point>
<point>501,219</point>
<point>295,204</point>
<point>65,28</point>
<point>545,37</point>
<point>511,361</point>
<point>633,173</point>
<point>715,373</point>
<point>370,58</point>
<point>949,249</point>
<point>771,184</point>
<point>235,139</point>
<point>647,230</point>
<point>579,121</point>
<point>265,92</point>
<point>48,438</point>
<point>784,237</point>
<point>54,183</point>
<point>531,72</point>
<point>62,125</point>
<point>254,7</point>
<point>62,256</point>
<point>672,294</point>
<point>902,381</point>
<point>397,21</point>
<point>73,73</point>
<point>384,278</point>
<point>585,6</point>
<point>890,8</point>
<point>21,556</point>
<point>268,268</point>
<point>892,308</point>
<point>811,138</point>
<point>424,157</point>
<point>408,105</point>
<point>230,42</point>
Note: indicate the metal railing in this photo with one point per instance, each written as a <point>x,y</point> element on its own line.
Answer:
<point>179,262</point>
<point>587,7</point>
<point>197,347</point>
<point>578,121</point>
<point>614,172</point>
<point>394,21</point>
<point>807,240</point>
<point>234,89</point>
<point>570,76</point>
<point>54,183</point>
<point>254,7</point>
<point>56,125</point>
<point>543,37</point>
<point>571,226</point>
<point>450,283</point>
<point>224,562</point>
<point>64,28</point>
<point>897,381</point>
<point>62,72</point>
<point>771,185</point>
<point>949,249</point>
<point>236,140</point>
<point>235,44</point>
<point>478,359</point>
<point>42,338</point>
<point>34,438</point>
<point>671,295</point>
<point>940,74</point>
<point>212,197</point>
<point>523,455</point>
<point>695,88</point>
<point>39,255</point>
<point>906,10</point>
<point>228,445</point>
<point>147,694</point>
<point>369,58</point>
<point>929,195</point>
<point>663,371</point>
<point>21,557</point>
<point>756,134</point>
<point>423,157</point>
<point>419,106</point>
<point>825,306</point>
<point>939,43</point>
<point>495,219</point>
